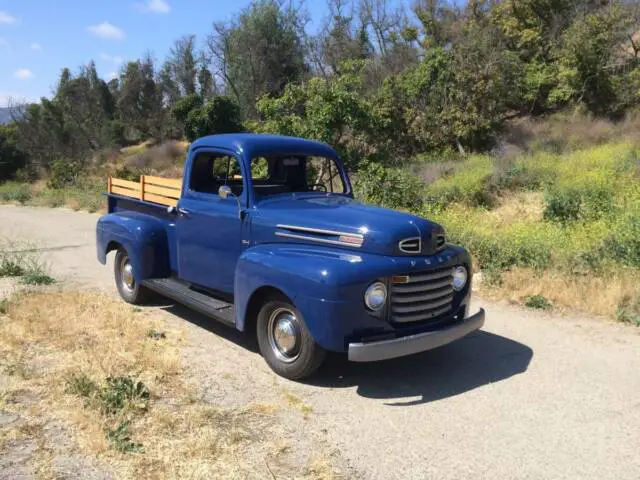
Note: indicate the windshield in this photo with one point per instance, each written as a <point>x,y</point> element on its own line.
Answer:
<point>295,174</point>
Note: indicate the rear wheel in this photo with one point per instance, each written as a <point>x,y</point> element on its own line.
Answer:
<point>130,290</point>
<point>285,342</point>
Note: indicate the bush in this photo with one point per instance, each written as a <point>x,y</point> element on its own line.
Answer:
<point>537,302</point>
<point>388,187</point>
<point>623,242</point>
<point>166,156</point>
<point>467,185</point>
<point>15,192</point>
<point>586,201</point>
<point>64,172</point>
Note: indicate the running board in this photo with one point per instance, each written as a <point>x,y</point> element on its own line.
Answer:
<point>182,293</point>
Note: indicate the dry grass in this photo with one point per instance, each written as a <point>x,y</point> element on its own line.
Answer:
<point>522,206</point>
<point>49,338</point>
<point>565,132</point>
<point>597,295</point>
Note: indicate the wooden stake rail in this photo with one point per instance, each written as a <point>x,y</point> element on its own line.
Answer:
<point>164,191</point>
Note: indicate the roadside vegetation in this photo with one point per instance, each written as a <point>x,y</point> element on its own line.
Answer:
<point>21,260</point>
<point>515,126</point>
<point>95,383</point>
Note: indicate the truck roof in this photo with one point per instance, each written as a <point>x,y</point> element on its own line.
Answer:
<point>254,144</point>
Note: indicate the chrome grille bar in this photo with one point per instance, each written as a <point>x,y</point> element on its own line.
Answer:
<point>422,296</point>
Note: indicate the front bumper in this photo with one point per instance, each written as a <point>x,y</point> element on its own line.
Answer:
<point>420,342</point>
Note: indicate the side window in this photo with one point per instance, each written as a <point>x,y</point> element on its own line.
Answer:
<point>323,174</point>
<point>210,171</point>
<point>259,168</point>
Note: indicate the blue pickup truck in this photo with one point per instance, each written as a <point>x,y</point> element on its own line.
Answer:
<point>263,234</point>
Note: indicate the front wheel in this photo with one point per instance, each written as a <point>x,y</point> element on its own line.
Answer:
<point>130,290</point>
<point>285,342</point>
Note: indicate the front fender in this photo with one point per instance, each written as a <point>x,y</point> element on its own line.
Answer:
<point>327,285</point>
<point>144,237</point>
<point>293,270</point>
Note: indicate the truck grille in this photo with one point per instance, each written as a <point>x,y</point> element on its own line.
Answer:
<point>421,296</point>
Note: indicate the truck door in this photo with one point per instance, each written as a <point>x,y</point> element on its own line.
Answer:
<point>209,228</point>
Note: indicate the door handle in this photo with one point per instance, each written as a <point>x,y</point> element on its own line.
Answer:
<point>183,211</point>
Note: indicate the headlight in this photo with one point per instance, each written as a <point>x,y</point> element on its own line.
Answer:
<point>459,278</point>
<point>375,296</point>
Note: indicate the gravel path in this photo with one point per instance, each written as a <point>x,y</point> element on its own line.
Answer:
<point>531,396</point>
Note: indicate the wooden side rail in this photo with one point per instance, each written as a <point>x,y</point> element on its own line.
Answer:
<point>164,191</point>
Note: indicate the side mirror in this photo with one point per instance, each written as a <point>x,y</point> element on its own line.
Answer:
<point>225,192</point>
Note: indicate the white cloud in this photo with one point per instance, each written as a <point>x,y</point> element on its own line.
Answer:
<point>154,6</point>
<point>112,75</point>
<point>115,59</point>
<point>107,31</point>
<point>23,73</point>
<point>35,46</point>
<point>7,18</point>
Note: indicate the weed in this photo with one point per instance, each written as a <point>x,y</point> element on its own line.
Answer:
<point>81,385</point>
<point>120,439</point>
<point>10,267</point>
<point>156,334</point>
<point>121,392</point>
<point>628,311</point>
<point>15,192</point>
<point>4,306</point>
<point>537,302</point>
<point>37,277</point>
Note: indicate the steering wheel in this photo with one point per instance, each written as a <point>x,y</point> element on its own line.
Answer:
<point>320,185</point>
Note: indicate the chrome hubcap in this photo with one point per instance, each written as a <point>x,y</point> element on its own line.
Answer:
<point>284,335</point>
<point>126,268</point>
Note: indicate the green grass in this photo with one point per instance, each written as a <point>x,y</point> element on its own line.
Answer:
<point>88,197</point>
<point>22,260</point>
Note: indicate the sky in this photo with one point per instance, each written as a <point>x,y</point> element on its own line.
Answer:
<point>40,37</point>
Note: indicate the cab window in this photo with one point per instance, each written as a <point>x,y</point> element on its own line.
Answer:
<point>295,174</point>
<point>210,171</point>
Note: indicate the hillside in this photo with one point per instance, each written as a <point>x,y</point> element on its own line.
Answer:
<point>5,117</point>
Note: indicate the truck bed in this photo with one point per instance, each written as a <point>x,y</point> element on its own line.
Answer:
<point>156,190</point>
<point>150,198</point>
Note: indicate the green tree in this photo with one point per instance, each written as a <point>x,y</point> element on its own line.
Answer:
<point>12,158</point>
<point>260,52</point>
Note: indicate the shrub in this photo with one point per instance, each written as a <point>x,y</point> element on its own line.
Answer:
<point>629,311</point>
<point>120,439</point>
<point>64,172</point>
<point>15,192</point>
<point>623,242</point>
<point>537,302</point>
<point>467,184</point>
<point>152,160</point>
<point>388,187</point>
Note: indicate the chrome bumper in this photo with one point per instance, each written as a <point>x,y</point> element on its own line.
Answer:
<point>420,342</point>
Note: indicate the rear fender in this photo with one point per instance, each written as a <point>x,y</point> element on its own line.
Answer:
<point>143,237</point>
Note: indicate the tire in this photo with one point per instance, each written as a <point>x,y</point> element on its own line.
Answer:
<point>289,350</point>
<point>128,288</point>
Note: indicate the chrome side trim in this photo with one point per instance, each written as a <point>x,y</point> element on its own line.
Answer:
<point>316,239</point>
<point>319,230</point>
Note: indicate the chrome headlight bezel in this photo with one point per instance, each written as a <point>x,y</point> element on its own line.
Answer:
<point>459,278</point>
<point>375,296</point>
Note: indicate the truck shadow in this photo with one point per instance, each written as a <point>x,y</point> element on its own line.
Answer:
<point>479,359</point>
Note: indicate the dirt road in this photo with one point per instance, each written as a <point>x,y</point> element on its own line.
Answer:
<point>531,396</point>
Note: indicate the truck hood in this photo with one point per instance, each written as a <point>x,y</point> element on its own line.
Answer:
<point>345,223</point>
